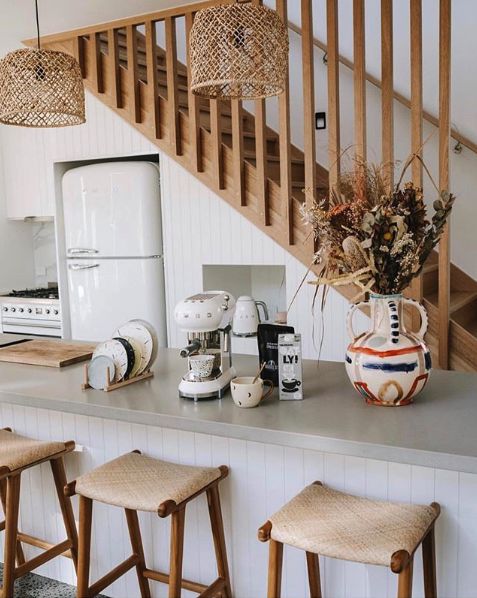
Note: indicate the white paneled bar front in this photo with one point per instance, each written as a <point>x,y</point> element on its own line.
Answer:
<point>263,477</point>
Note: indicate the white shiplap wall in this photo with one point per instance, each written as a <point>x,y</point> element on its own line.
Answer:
<point>262,478</point>
<point>199,228</point>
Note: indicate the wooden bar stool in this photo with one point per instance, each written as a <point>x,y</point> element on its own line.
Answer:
<point>18,453</point>
<point>323,521</point>
<point>136,482</point>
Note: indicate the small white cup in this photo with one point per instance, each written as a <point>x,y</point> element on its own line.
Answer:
<point>247,394</point>
<point>201,365</point>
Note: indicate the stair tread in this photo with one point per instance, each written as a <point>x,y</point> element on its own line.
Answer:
<point>458,299</point>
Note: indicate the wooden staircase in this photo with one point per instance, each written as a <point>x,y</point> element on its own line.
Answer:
<point>251,166</point>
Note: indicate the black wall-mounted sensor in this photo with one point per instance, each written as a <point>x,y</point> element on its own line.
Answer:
<point>320,120</point>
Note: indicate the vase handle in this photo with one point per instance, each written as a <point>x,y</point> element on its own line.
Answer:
<point>349,317</point>
<point>423,313</point>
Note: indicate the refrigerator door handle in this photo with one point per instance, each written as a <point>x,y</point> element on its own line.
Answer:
<point>79,250</point>
<point>82,266</point>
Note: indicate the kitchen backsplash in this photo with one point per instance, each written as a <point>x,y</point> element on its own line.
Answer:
<point>44,253</point>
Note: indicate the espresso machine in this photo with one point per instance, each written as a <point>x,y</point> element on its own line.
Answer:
<point>206,318</point>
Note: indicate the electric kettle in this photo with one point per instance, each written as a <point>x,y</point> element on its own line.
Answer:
<point>246,317</point>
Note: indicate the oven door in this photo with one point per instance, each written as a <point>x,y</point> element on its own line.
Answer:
<point>31,326</point>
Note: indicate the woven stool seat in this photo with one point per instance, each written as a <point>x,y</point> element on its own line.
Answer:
<point>17,452</point>
<point>141,483</point>
<point>330,523</point>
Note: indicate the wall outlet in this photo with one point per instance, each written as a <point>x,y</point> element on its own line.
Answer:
<point>320,120</point>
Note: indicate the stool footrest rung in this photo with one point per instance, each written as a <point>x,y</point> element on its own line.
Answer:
<point>42,558</point>
<point>113,575</point>
<point>39,543</point>
<point>215,588</point>
<point>186,584</point>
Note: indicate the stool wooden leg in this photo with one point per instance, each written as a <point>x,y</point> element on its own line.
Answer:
<point>3,498</point>
<point>217,524</point>
<point>136,544</point>
<point>11,529</point>
<point>177,550</point>
<point>313,565</point>
<point>429,562</point>
<point>59,476</point>
<point>275,562</point>
<point>84,545</point>
<point>405,582</point>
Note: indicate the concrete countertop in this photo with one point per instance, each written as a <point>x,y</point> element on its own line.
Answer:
<point>438,430</point>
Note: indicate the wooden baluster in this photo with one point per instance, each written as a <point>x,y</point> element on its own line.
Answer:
<point>172,89</point>
<point>387,95</point>
<point>193,103</point>
<point>309,105</point>
<point>359,81</point>
<point>113,58</point>
<point>216,138</point>
<point>133,74</point>
<point>79,54</point>
<point>151,70</point>
<point>444,178</point>
<point>95,62</point>
<point>262,163</point>
<point>237,147</point>
<point>417,289</point>
<point>261,155</point>
<point>285,141</point>
<point>333,93</point>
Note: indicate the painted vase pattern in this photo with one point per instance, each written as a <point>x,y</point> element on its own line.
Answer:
<point>387,364</point>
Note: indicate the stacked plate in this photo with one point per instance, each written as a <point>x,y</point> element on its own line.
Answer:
<point>130,353</point>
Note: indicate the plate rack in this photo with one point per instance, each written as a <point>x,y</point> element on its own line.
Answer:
<point>114,385</point>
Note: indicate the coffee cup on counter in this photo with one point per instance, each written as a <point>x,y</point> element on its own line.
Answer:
<point>247,393</point>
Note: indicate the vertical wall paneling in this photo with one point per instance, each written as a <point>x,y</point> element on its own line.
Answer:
<point>387,96</point>
<point>193,104</point>
<point>333,92</point>
<point>262,478</point>
<point>444,179</point>
<point>285,142</point>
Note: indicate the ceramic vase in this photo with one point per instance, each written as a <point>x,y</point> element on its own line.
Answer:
<point>387,364</point>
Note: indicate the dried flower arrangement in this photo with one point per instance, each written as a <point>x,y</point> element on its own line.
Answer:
<point>376,239</point>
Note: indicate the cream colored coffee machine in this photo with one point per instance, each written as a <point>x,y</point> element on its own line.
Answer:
<point>206,318</point>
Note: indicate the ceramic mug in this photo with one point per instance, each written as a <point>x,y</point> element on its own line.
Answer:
<point>246,394</point>
<point>201,366</point>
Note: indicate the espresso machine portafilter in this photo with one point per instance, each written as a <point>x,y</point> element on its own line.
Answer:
<point>206,318</point>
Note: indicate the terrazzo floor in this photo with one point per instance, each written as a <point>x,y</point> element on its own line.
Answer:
<point>37,586</point>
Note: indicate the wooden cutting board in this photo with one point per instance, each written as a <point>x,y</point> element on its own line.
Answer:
<point>51,353</point>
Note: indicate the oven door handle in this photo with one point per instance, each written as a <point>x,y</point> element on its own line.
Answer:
<point>82,266</point>
<point>31,324</point>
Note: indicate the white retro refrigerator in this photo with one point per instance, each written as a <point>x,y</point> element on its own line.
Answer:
<point>114,259</point>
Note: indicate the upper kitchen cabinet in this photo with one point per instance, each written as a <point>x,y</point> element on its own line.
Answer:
<point>28,174</point>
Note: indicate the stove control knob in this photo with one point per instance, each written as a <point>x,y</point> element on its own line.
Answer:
<point>29,310</point>
<point>13,309</point>
<point>5,309</point>
<point>55,311</point>
<point>47,311</point>
<point>21,310</point>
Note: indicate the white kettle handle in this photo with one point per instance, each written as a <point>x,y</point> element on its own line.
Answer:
<point>423,313</point>
<point>349,318</point>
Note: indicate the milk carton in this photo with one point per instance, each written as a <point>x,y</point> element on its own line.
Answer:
<point>290,367</point>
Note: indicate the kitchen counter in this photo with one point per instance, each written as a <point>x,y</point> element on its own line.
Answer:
<point>438,430</point>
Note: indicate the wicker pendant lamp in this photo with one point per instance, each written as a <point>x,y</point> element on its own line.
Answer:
<point>41,88</point>
<point>238,51</point>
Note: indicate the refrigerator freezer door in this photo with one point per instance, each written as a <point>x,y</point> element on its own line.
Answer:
<point>104,294</point>
<point>112,209</point>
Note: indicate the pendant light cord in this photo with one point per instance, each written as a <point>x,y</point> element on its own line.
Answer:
<point>37,25</point>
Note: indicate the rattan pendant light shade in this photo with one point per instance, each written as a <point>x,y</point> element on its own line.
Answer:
<point>41,88</point>
<point>238,51</point>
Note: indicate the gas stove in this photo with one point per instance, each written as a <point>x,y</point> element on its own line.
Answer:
<point>31,311</point>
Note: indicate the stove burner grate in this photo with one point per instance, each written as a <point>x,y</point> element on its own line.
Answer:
<point>42,293</point>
